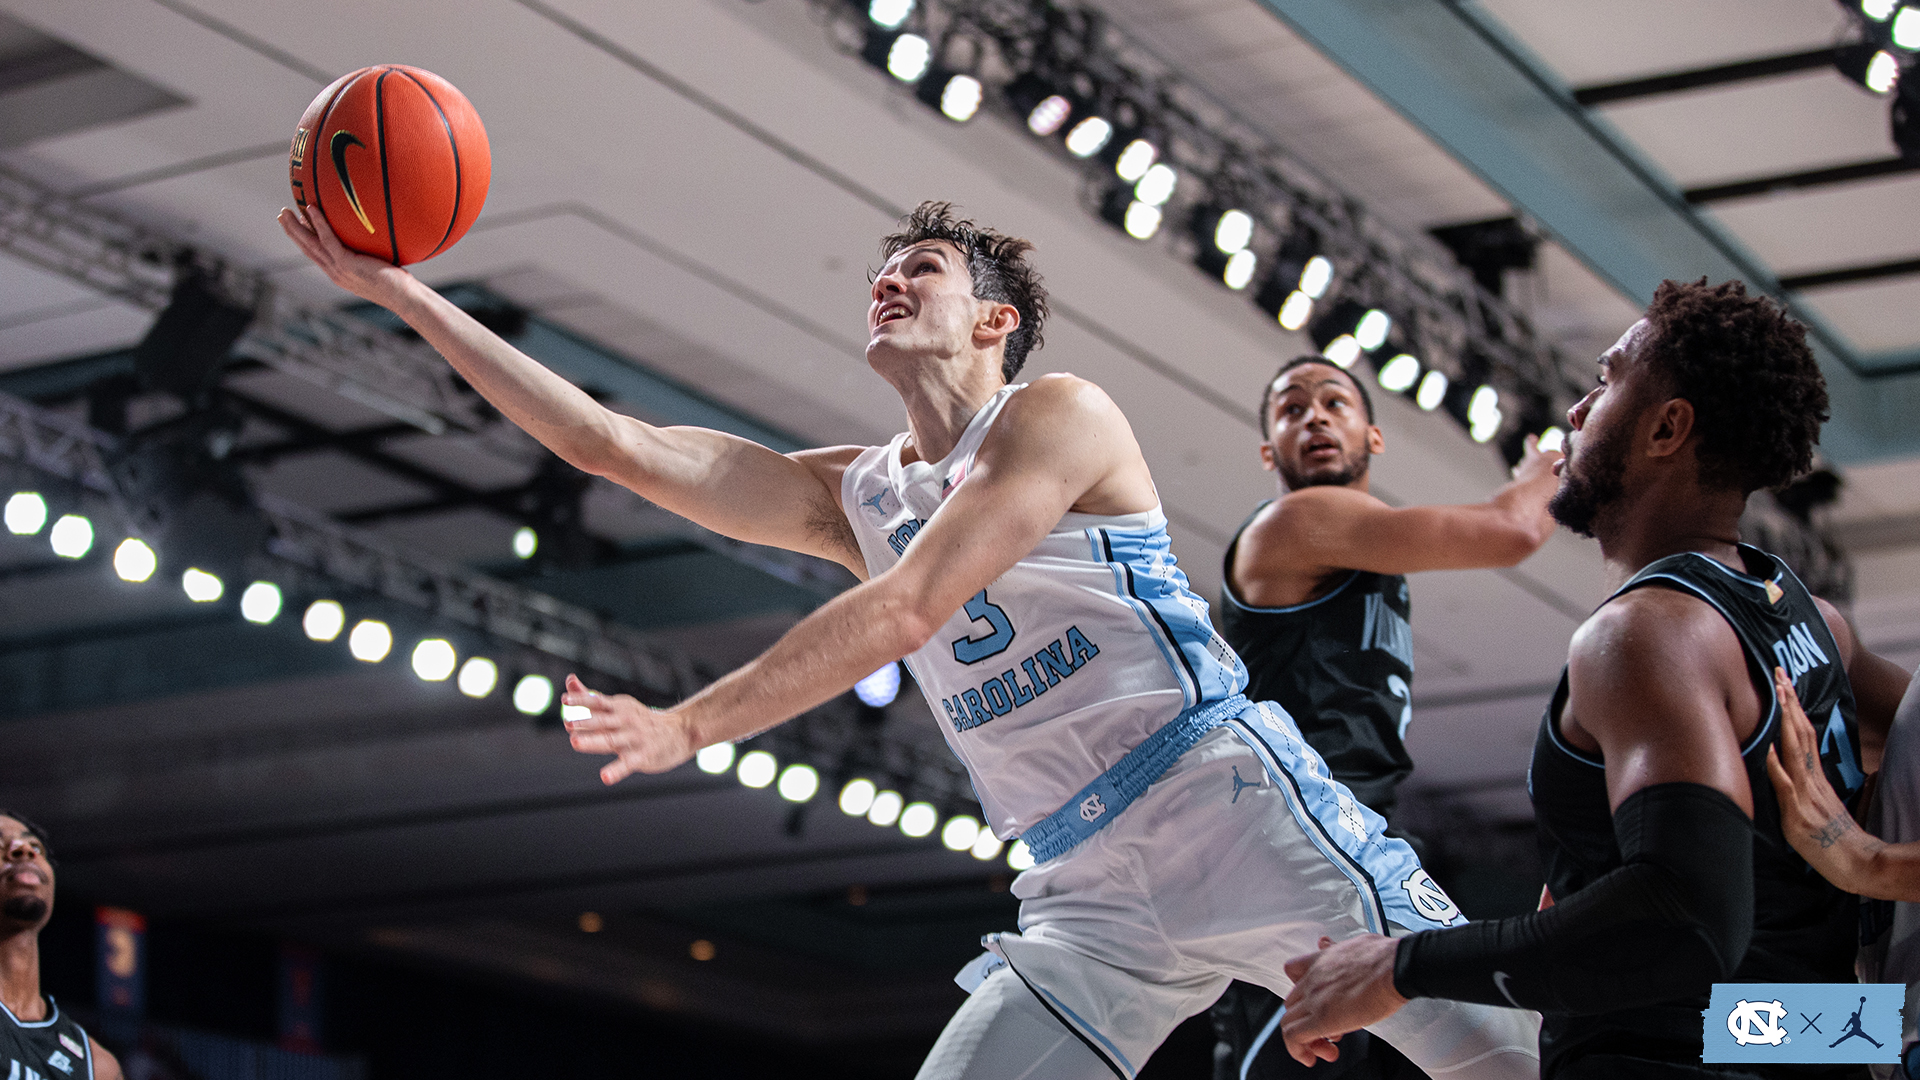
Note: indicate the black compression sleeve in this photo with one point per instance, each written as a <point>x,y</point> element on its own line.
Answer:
<point>1673,919</point>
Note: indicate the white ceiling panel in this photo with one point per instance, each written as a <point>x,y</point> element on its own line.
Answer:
<point>1876,315</point>
<point>1821,228</point>
<point>1613,40</point>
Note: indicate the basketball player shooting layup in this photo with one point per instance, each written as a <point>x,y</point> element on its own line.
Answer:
<point>36,1038</point>
<point>1665,856</point>
<point>1012,549</point>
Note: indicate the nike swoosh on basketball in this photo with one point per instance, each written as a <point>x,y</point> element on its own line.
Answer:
<point>341,140</point>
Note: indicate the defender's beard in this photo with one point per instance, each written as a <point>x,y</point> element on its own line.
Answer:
<point>24,909</point>
<point>1589,484</point>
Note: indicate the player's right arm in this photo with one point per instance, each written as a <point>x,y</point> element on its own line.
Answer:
<point>1319,529</point>
<point>728,484</point>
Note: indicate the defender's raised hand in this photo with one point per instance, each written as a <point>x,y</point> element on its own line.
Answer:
<point>1812,817</point>
<point>366,277</point>
<point>640,738</point>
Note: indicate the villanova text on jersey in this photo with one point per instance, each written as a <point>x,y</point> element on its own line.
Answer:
<point>1005,692</point>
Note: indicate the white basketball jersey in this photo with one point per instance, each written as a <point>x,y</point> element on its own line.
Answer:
<point>1047,677</point>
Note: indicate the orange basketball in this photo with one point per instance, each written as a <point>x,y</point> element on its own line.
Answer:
<point>396,159</point>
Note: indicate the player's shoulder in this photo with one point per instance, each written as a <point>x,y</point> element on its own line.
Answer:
<point>1058,405</point>
<point>1652,632</point>
<point>1309,510</point>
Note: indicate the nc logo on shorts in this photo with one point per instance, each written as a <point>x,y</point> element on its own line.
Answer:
<point>1091,808</point>
<point>1811,1023</point>
<point>1429,899</point>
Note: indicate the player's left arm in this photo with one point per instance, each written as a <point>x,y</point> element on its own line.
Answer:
<point>105,1065</point>
<point>1060,444</point>
<point>1878,685</point>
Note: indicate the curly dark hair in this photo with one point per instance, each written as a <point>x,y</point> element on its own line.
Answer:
<point>1758,396</point>
<point>998,264</point>
<point>1266,398</point>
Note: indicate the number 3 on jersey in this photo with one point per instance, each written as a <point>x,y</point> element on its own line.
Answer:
<point>972,650</point>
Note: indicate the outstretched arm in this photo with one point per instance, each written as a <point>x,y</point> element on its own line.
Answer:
<point>731,485</point>
<point>1057,445</point>
<point>1678,912</point>
<point>1317,529</point>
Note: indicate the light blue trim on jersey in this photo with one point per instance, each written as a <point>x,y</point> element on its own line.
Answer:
<point>1149,577</point>
<point>1112,791</point>
<point>1260,1040</point>
<point>53,1015</point>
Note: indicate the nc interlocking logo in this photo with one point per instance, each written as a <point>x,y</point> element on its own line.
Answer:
<point>1818,1023</point>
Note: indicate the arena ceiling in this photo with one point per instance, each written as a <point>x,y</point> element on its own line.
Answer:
<point>685,202</point>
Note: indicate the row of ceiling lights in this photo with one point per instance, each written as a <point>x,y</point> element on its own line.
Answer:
<point>1299,277</point>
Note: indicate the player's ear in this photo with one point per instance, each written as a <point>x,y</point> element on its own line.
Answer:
<point>1671,427</point>
<point>1376,439</point>
<point>996,322</point>
<point>1267,461</point>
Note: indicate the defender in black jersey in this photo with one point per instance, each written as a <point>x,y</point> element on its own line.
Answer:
<point>1665,856</point>
<point>1315,601</point>
<point>37,1040</point>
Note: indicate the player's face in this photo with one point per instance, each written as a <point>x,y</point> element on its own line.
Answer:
<point>26,879</point>
<point>1318,432</point>
<point>1593,473</point>
<point>923,303</point>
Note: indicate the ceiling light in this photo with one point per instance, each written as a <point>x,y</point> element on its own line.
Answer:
<point>1399,373</point>
<point>1371,332</point>
<point>889,13</point>
<point>1240,267</point>
<point>1135,160</point>
<point>880,688</point>
<point>370,641</point>
<point>1142,220</point>
<point>1233,232</point>
<point>1049,114</point>
<point>200,586</point>
<point>1156,186</point>
<point>757,768</point>
<point>26,513</point>
<point>1433,390</point>
<point>1483,414</point>
<point>1342,351</point>
<point>960,832</point>
<point>1088,136</point>
<point>71,536</point>
<point>1316,276</point>
<point>1295,312</point>
<point>909,58</point>
<point>857,797</point>
<point>1878,10</point>
<point>434,660</point>
<point>1019,857</point>
<point>986,846</point>
<point>798,783</point>
<point>919,819</point>
<point>478,677</point>
<point>960,98</point>
<point>1906,28</point>
<point>525,542</point>
<point>533,694</point>
<point>260,603</point>
<point>1552,440</point>
<point>324,620</point>
<point>885,809</point>
<point>133,560</point>
<point>716,759</point>
<point>1883,72</point>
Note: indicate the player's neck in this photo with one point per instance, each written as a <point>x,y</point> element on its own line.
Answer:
<point>941,401</point>
<point>1642,529</point>
<point>20,976</point>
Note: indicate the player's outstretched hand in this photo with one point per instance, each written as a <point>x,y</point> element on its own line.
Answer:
<point>1536,465</point>
<point>1339,989</point>
<point>642,739</point>
<point>362,275</point>
<point>1812,816</point>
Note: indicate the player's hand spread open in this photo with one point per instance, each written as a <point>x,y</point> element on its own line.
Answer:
<point>641,739</point>
<point>1339,989</point>
<point>366,277</point>
<point>1812,817</point>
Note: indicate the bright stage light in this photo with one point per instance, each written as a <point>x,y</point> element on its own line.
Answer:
<point>986,846</point>
<point>1046,117</point>
<point>960,832</point>
<point>1342,351</point>
<point>1240,267</point>
<point>1878,10</point>
<point>324,620</point>
<point>1483,414</point>
<point>1399,373</point>
<point>1371,333</point>
<point>1135,160</point>
<point>1316,276</point>
<point>889,13</point>
<point>1233,232</point>
<point>1142,220</point>
<point>857,797</point>
<point>909,57</point>
<point>1019,858</point>
<point>525,542</point>
<point>1883,72</point>
<point>885,809</point>
<point>1157,185</point>
<point>260,603</point>
<point>434,660</point>
<point>478,677</point>
<point>919,819</point>
<point>757,768</point>
<point>533,694</point>
<point>1906,28</point>
<point>26,513</point>
<point>798,783</point>
<point>1295,312</point>
<point>1088,136</point>
<point>880,688</point>
<point>961,98</point>
<point>134,561</point>
<point>71,536</point>
<point>1553,439</point>
<point>200,586</point>
<point>1433,390</point>
<point>370,641</point>
<point>716,759</point>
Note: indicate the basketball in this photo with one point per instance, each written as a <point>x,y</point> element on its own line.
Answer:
<point>396,159</point>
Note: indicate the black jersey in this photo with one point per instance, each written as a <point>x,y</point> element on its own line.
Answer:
<point>1804,929</point>
<point>52,1049</point>
<point>1342,665</point>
